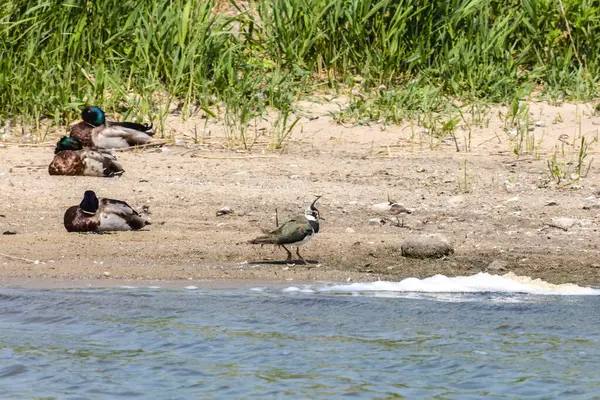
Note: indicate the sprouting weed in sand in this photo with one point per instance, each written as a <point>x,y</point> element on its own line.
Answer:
<point>582,154</point>
<point>557,119</point>
<point>463,178</point>
<point>557,169</point>
<point>572,165</point>
<point>448,128</point>
<point>517,125</point>
<point>282,130</point>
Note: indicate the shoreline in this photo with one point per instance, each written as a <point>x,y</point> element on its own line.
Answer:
<point>224,284</point>
<point>507,219</point>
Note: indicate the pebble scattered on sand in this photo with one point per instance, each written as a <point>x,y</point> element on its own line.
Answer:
<point>224,211</point>
<point>497,266</point>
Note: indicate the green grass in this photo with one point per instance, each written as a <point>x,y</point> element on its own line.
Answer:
<point>404,57</point>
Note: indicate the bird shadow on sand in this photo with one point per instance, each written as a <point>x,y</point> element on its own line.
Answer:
<point>284,262</point>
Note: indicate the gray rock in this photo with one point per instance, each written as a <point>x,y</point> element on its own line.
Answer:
<point>224,211</point>
<point>591,203</point>
<point>497,266</point>
<point>432,246</point>
<point>566,223</point>
<point>455,200</point>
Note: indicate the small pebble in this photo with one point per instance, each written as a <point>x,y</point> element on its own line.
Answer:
<point>497,266</point>
<point>224,211</point>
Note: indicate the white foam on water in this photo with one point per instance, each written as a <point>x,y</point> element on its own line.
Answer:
<point>191,287</point>
<point>305,289</point>
<point>478,283</point>
<point>128,287</point>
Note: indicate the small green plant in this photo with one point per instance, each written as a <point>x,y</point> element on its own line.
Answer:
<point>575,169</point>
<point>448,127</point>
<point>557,119</point>
<point>463,178</point>
<point>517,125</point>
<point>557,169</point>
<point>580,168</point>
<point>282,131</point>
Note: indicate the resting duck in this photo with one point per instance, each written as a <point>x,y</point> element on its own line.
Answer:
<point>95,131</point>
<point>102,215</point>
<point>71,159</point>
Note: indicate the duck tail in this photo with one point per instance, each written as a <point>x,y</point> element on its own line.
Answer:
<point>137,222</point>
<point>147,129</point>
<point>111,167</point>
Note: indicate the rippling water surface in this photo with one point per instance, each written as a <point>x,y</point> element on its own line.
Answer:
<point>318,341</point>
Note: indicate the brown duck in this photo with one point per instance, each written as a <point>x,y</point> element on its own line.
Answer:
<point>72,159</point>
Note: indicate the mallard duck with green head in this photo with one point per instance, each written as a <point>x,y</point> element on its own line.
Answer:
<point>102,215</point>
<point>96,131</point>
<point>72,159</point>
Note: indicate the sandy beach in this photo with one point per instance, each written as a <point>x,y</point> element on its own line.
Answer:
<point>505,209</point>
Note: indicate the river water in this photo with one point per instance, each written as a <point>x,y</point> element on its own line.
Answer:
<point>446,338</point>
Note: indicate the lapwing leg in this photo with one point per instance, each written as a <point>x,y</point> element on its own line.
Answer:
<point>299,256</point>
<point>289,257</point>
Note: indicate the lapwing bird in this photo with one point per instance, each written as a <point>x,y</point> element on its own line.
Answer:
<point>96,131</point>
<point>102,215</point>
<point>295,232</point>
<point>72,159</point>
